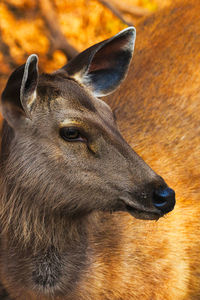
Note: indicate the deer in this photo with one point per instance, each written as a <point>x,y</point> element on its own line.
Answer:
<point>77,204</point>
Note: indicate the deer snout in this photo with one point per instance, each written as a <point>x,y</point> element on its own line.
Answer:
<point>164,199</point>
<point>151,200</point>
<point>158,203</point>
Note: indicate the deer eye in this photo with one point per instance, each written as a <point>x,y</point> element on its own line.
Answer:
<point>71,134</point>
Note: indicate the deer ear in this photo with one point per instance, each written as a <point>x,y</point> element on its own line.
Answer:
<point>102,67</point>
<point>20,91</point>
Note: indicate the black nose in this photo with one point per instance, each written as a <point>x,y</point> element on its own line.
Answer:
<point>164,199</point>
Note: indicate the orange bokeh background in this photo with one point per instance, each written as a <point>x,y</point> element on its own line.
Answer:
<point>23,28</point>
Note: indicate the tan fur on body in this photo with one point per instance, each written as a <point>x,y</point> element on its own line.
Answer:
<point>161,101</point>
<point>158,114</point>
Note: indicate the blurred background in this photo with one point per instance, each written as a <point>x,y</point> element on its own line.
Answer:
<point>58,29</point>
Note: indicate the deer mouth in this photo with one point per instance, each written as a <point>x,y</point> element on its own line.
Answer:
<point>143,214</point>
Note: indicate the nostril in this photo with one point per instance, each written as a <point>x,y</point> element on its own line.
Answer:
<point>164,199</point>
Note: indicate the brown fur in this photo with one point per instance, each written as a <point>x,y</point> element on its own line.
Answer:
<point>121,257</point>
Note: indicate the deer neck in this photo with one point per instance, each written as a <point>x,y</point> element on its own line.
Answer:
<point>60,255</point>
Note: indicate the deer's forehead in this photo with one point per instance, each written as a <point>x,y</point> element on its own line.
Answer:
<point>64,92</point>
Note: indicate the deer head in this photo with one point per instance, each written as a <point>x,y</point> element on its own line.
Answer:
<point>66,153</point>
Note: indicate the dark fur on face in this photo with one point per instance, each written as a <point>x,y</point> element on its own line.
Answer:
<point>56,179</point>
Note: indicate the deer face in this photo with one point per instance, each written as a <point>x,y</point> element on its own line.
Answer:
<point>67,152</point>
